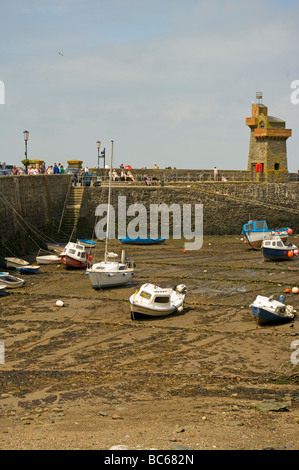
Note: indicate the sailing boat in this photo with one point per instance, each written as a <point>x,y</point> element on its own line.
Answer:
<point>110,273</point>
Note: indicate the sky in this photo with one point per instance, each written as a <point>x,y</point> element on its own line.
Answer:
<point>169,81</point>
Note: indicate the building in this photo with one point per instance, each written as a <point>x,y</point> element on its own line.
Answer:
<point>267,148</point>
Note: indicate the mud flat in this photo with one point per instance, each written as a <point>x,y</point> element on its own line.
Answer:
<point>85,376</point>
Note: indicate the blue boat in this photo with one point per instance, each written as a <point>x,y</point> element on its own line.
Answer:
<point>268,310</point>
<point>142,241</point>
<point>255,231</point>
<point>28,269</point>
<point>273,249</point>
<point>87,243</point>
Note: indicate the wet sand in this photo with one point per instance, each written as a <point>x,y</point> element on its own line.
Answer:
<point>85,376</point>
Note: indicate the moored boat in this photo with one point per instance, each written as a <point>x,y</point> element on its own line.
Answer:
<point>109,273</point>
<point>58,247</point>
<point>28,269</point>
<point>255,231</point>
<point>268,310</point>
<point>15,262</point>
<point>47,259</point>
<point>154,301</point>
<point>87,243</point>
<point>75,256</point>
<point>2,289</point>
<point>142,241</point>
<point>11,282</point>
<point>274,249</point>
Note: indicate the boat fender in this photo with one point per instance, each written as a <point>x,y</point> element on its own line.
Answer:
<point>290,254</point>
<point>59,303</point>
<point>295,290</point>
<point>180,309</point>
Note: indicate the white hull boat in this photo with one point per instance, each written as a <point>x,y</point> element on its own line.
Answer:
<point>155,301</point>
<point>11,282</point>
<point>48,259</point>
<point>15,262</point>
<point>2,289</point>
<point>109,273</point>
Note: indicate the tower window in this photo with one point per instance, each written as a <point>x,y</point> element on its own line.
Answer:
<point>276,166</point>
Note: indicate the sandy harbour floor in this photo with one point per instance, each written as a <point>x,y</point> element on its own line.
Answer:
<point>87,377</point>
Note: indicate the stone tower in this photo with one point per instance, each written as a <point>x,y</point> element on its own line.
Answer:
<point>267,148</point>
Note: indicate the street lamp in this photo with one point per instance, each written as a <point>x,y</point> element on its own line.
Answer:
<point>26,137</point>
<point>102,154</point>
<point>98,147</point>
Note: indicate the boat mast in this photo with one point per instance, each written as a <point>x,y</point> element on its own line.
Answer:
<point>109,197</point>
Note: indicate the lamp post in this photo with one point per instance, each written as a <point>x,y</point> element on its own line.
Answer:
<point>102,154</point>
<point>26,137</point>
<point>98,147</point>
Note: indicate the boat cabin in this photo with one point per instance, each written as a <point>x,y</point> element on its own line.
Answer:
<point>158,296</point>
<point>75,250</point>
<point>256,226</point>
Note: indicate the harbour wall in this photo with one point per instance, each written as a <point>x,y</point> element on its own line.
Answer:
<point>226,206</point>
<point>32,206</point>
<point>30,211</point>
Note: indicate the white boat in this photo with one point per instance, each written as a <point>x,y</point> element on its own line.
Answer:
<point>274,249</point>
<point>47,259</point>
<point>151,300</point>
<point>11,282</point>
<point>268,310</point>
<point>15,262</point>
<point>75,256</point>
<point>3,274</point>
<point>109,273</point>
<point>2,289</point>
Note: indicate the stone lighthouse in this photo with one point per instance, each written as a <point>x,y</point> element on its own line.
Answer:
<point>267,160</point>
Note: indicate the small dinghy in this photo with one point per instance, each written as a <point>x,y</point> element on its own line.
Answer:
<point>28,269</point>
<point>11,282</point>
<point>268,310</point>
<point>47,259</point>
<point>58,247</point>
<point>87,243</point>
<point>2,289</point>
<point>154,301</point>
<point>15,262</point>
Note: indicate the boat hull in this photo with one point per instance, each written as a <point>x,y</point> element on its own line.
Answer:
<point>101,280</point>
<point>73,263</point>
<point>2,290</point>
<point>28,269</point>
<point>142,241</point>
<point>138,312</point>
<point>56,247</point>
<point>87,243</point>
<point>47,259</point>
<point>264,316</point>
<point>11,282</point>
<point>273,254</point>
<point>15,262</point>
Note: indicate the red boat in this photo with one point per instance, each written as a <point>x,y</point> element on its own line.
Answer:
<point>75,256</point>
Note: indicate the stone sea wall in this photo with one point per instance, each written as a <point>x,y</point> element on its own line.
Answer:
<point>226,206</point>
<point>31,206</point>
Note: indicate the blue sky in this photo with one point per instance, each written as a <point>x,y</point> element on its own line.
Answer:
<point>171,82</point>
